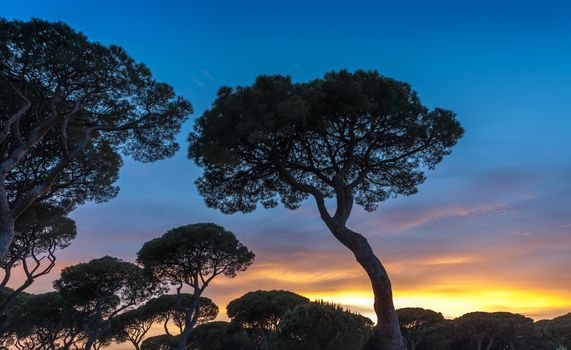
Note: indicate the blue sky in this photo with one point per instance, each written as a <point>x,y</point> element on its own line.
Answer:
<point>490,228</point>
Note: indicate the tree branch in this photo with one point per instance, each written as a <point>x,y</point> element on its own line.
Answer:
<point>320,201</point>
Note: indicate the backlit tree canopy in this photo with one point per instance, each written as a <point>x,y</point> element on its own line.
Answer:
<point>322,326</point>
<point>69,107</point>
<point>40,231</point>
<point>103,288</point>
<point>47,321</point>
<point>417,323</point>
<point>277,140</point>
<point>193,255</point>
<point>501,329</point>
<point>261,312</point>
<point>263,309</point>
<point>171,309</point>
<point>134,325</point>
<point>559,330</point>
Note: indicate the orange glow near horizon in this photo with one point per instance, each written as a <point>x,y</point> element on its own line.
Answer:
<point>452,284</point>
<point>347,285</point>
<point>534,304</point>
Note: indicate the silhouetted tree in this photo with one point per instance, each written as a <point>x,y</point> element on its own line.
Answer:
<point>261,312</point>
<point>103,288</point>
<point>543,342</point>
<point>517,331</point>
<point>48,321</point>
<point>355,137</point>
<point>194,255</point>
<point>132,326</point>
<point>6,337</point>
<point>160,342</point>
<point>439,336</point>
<point>219,336</point>
<point>322,326</point>
<point>489,329</point>
<point>172,308</point>
<point>559,330</point>
<point>417,323</point>
<point>40,231</point>
<point>69,108</point>
<point>478,327</point>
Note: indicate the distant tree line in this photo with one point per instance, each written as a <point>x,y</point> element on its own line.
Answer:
<point>110,300</point>
<point>259,320</point>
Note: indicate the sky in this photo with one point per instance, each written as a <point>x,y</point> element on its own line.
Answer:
<point>489,230</point>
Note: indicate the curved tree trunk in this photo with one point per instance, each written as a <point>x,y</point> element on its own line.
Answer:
<point>388,326</point>
<point>165,326</point>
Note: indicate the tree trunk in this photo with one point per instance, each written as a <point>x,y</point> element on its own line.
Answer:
<point>91,337</point>
<point>6,226</point>
<point>165,326</point>
<point>183,338</point>
<point>190,320</point>
<point>479,344</point>
<point>388,327</point>
<point>263,340</point>
<point>93,330</point>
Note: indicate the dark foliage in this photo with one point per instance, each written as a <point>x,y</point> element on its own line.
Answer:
<point>46,320</point>
<point>194,255</point>
<point>160,342</point>
<point>70,107</point>
<point>417,324</point>
<point>261,312</point>
<point>40,232</point>
<point>219,336</point>
<point>170,308</point>
<point>276,140</point>
<point>103,288</point>
<point>322,326</point>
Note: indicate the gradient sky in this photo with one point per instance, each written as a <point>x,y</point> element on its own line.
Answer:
<point>491,227</point>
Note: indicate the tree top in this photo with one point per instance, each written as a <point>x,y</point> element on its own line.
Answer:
<point>277,140</point>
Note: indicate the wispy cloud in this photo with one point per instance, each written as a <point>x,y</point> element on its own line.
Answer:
<point>198,82</point>
<point>207,74</point>
<point>404,219</point>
